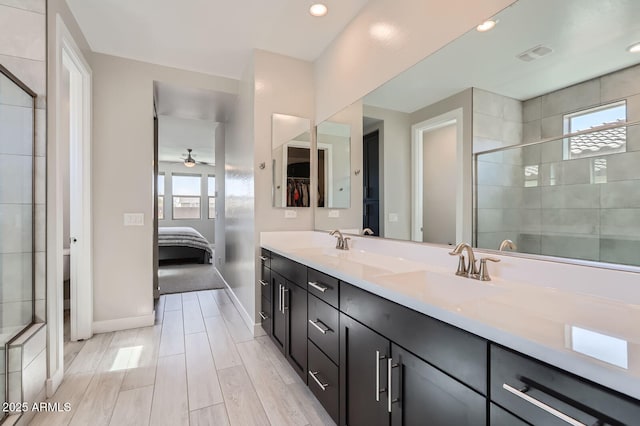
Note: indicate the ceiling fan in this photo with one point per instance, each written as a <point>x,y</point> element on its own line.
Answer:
<point>189,161</point>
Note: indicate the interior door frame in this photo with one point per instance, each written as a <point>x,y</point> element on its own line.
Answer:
<point>417,172</point>
<point>68,54</point>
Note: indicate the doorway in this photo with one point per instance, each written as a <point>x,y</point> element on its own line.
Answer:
<point>371,182</point>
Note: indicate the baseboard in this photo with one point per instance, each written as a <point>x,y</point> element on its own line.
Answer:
<point>253,327</point>
<point>53,383</point>
<point>124,323</point>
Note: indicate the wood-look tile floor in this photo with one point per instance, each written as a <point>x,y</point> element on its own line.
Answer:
<point>198,365</point>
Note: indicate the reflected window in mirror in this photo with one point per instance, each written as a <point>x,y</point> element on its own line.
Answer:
<point>291,161</point>
<point>334,165</point>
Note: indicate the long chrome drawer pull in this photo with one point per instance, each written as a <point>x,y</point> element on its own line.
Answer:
<point>542,405</point>
<point>320,329</point>
<point>378,390</point>
<point>263,316</point>
<point>318,287</point>
<point>280,298</point>
<point>263,258</point>
<point>390,367</point>
<point>313,375</point>
<point>264,283</point>
<point>284,299</point>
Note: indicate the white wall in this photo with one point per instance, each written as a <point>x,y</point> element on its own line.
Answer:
<point>271,84</point>
<point>220,222</point>
<point>204,225</point>
<point>395,174</point>
<point>123,181</point>
<point>386,38</point>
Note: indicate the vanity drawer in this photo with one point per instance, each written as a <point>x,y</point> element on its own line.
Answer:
<point>323,286</point>
<point>542,394</point>
<point>322,327</point>
<point>456,352</point>
<point>265,258</point>
<point>500,417</point>
<point>265,282</point>
<point>324,380</point>
<point>266,316</point>
<point>292,271</point>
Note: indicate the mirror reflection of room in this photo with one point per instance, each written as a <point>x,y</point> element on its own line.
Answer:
<point>334,165</point>
<point>561,196</point>
<point>291,161</point>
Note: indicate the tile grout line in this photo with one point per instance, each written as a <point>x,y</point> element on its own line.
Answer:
<point>184,342</point>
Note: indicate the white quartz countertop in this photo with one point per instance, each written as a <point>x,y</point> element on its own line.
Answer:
<point>593,336</point>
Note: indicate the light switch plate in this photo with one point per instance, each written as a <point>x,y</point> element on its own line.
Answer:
<point>393,217</point>
<point>290,214</point>
<point>133,219</point>
<point>334,213</point>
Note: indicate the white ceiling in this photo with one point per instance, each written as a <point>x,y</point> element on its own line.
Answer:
<point>210,36</point>
<point>588,37</point>
<point>176,135</point>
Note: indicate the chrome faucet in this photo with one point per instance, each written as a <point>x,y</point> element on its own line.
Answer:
<point>343,242</point>
<point>470,269</point>
<point>367,231</point>
<point>508,244</point>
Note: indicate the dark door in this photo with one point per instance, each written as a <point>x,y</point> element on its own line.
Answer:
<point>278,284</point>
<point>363,375</point>
<point>371,183</point>
<point>295,306</point>
<point>423,395</point>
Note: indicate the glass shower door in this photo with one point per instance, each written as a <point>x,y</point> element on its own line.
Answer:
<point>17,106</point>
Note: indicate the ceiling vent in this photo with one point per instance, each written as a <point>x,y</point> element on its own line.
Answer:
<point>534,53</point>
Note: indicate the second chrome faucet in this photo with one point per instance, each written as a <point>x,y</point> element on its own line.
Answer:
<point>469,268</point>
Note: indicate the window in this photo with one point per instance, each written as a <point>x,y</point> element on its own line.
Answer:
<point>186,196</point>
<point>604,142</point>
<point>211,189</point>
<point>160,196</point>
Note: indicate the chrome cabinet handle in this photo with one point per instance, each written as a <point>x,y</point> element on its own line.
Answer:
<point>280,298</point>
<point>320,329</point>
<point>264,258</point>
<point>263,283</point>
<point>378,390</point>
<point>313,375</point>
<point>284,299</point>
<point>262,315</point>
<point>318,287</point>
<point>390,367</point>
<point>521,394</point>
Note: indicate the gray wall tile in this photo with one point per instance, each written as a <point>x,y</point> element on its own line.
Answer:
<point>623,166</point>
<point>532,131</point>
<point>487,103</point>
<point>621,84</point>
<point>487,126</point>
<point>572,221</point>
<point>531,198</point>
<point>16,135</point>
<point>620,222</point>
<point>551,151</point>
<point>32,5</point>
<point>552,126</point>
<point>528,243</point>
<point>512,109</point>
<point>18,188</point>
<point>532,109</point>
<point>573,246</point>
<point>620,250</point>
<point>570,196</point>
<point>573,98</point>
<point>15,228</point>
<point>24,33</point>
<point>620,194</point>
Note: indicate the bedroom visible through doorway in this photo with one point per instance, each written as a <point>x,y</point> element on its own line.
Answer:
<point>189,144</point>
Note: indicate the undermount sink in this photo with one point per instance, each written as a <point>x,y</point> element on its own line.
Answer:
<point>430,287</point>
<point>382,263</point>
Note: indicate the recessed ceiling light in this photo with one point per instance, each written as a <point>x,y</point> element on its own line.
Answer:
<point>486,25</point>
<point>634,48</point>
<point>318,9</point>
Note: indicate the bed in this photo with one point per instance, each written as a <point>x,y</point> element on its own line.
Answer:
<point>182,244</point>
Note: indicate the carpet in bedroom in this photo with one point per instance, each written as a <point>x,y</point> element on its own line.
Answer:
<point>188,277</point>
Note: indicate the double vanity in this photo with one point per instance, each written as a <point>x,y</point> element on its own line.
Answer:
<point>386,333</point>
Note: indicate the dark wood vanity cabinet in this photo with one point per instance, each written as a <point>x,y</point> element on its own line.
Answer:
<point>266,289</point>
<point>544,395</point>
<point>289,311</point>
<point>383,383</point>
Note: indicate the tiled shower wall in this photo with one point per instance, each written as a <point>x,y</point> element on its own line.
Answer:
<point>23,52</point>
<point>566,214</point>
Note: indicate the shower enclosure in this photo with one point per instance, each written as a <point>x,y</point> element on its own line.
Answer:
<point>17,117</point>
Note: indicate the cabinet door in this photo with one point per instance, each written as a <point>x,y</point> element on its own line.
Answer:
<point>295,307</point>
<point>279,314</point>
<point>422,395</point>
<point>363,375</point>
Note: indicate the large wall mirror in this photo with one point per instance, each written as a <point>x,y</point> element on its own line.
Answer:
<point>291,161</point>
<point>526,132</point>
<point>334,165</point>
